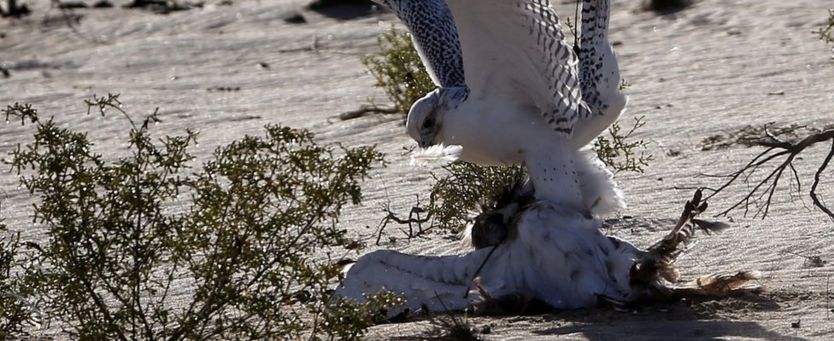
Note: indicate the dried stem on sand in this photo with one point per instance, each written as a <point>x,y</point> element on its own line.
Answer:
<point>777,149</point>
<point>368,109</point>
<point>414,218</point>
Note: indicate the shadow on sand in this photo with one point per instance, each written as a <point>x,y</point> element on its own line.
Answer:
<point>344,9</point>
<point>703,320</point>
<point>657,328</point>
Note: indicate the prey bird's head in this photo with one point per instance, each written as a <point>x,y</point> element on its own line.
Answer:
<point>500,211</point>
<point>425,119</point>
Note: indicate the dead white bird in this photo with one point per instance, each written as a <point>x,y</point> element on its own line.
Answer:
<point>548,253</point>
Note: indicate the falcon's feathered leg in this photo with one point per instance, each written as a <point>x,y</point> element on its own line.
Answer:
<point>600,194</point>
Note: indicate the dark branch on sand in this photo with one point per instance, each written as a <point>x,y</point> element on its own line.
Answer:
<point>413,219</point>
<point>765,188</point>
<point>367,109</point>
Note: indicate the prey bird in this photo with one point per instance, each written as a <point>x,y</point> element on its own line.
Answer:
<point>534,253</point>
<point>512,90</point>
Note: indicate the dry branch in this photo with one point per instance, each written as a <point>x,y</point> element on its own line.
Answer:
<point>764,189</point>
<point>368,109</point>
<point>413,218</point>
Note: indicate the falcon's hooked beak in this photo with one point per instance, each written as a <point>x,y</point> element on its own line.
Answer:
<point>430,129</point>
<point>426,141</point>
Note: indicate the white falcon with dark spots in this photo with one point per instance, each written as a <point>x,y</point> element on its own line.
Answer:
<point>511,90</point>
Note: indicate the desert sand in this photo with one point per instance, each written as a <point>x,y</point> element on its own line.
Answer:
<point>710,69</point>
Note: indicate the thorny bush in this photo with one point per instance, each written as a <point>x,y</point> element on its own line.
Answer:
<point>141,247</point>
<point>14,312</point>
<point>398,70</point>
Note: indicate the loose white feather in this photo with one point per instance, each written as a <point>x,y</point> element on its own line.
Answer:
<point>437,153</point>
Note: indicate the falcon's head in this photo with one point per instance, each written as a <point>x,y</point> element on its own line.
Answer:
<point>425,119</point>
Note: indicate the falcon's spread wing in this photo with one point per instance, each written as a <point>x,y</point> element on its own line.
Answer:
<point>435,37</point>
<point>599,73</point>
<point>511,49</point>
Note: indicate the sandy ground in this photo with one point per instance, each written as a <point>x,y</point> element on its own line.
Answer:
<point>710,69</point>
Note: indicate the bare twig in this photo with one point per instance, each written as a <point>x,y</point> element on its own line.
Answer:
<point>368,109</point>
<point>72,19</point>
<point>765,188</point>
<point>810,261</point>
<point>413,218</point>
<point>813,193</point>
<point>313,47</point>
<point>826,34</point>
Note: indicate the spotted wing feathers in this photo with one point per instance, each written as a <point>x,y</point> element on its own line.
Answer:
<point>599,73</point>
<point>435,36</point>
<point>558,64</point>
<point>512,49</point>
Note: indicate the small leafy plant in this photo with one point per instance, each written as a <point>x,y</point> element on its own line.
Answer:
<point>348,320</point>
<point>466,186</point>
<point>826,34</point>
<point>398,69</point>
<point>138,248</point>
<point>620,151</point>
<point>14,313</point>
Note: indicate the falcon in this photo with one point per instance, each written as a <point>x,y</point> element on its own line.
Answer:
<point>511,90</point>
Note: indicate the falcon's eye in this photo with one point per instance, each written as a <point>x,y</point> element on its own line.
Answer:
<point>428,123</point>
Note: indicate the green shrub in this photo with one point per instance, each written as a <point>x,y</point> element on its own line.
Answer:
<point>826,34</point>
<point>13,309</point>
<point>398,69</point>
<point>463,188</point>
<point>237,235</point>
<point>348,320</point>
<point>620,151</point>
